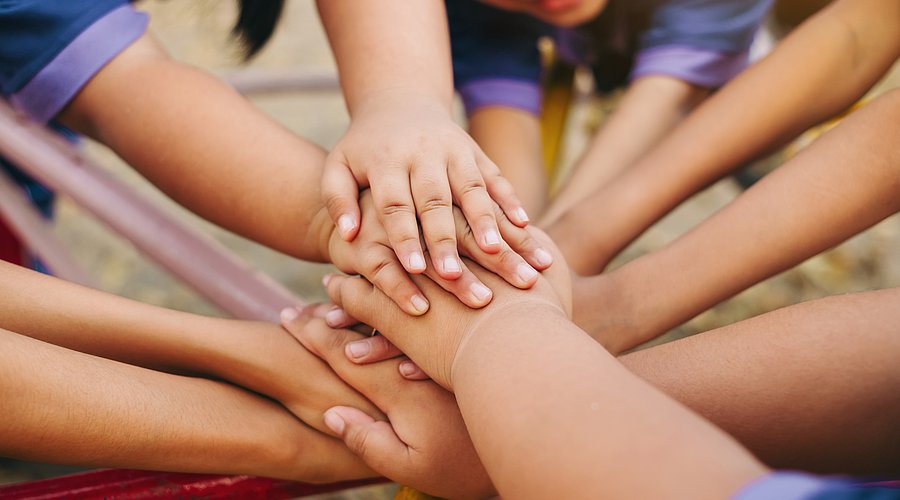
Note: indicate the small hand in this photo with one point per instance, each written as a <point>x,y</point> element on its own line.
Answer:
<point>433,340</point>
<point>425,445</point>
<point>370,255</point>
<point>417,162</point>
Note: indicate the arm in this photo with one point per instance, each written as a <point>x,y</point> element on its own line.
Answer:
<point>545,417</point>
<point>207,147</point>
<point>819,70</point>
<point>651,108</point>
<point>109,414</point>
<point>258,356</point>
<point>213,152</point>
<point>394,62</point>
<point>844,183</point>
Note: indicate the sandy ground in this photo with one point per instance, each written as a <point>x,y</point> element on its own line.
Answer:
<point>197,32</point>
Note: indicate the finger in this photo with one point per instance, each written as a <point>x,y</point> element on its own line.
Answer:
<point>340,193</point>
<point>411,371</point>
<point>472,197</point>
<point>467,288</point>
<point>506,263</point>
<point>371,350</point>
<point>380,266</point>
<point>522,241</point>
<point>431,193</point>
<point>373,441</point>
<point>397,213</point>
<point>501,191</point>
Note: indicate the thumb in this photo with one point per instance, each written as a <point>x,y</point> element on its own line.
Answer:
<point>374,441</point>
<point>340,193</point>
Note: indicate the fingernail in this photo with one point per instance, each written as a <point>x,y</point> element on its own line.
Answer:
<point>407,368</point>
<point>419,303</point>
<point>358,349</point>
<point>289,314</point>
<point>334,422</point>
<point>334,317</point>
<point>481,292</point>
<point>346,224</point>
<point>543,257</point>
<point>491,238</point>
<point>326,279</point>
<point>525,272</point>
<point>521,215</point>
<point>451,265</point>
<point>416,261</point>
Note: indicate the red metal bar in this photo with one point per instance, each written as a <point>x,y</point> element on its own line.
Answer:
<point>134,484</point>
<point>196,258</point>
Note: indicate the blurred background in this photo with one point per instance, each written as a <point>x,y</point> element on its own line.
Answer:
<point>197,33</point>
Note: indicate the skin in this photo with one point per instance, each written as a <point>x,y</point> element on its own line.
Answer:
<point>430,447</point>
<point>809,387</point>
<point>394,63</point>
<point>651,108</point>
<point>823,67</point>
<point>773,226</point>
<point>160,387</point>
<point>592,413</point>
<point>206,169</point>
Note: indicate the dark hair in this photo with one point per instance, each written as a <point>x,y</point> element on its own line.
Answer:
<point>255,24</point>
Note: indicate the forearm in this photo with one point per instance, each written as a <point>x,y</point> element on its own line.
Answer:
<point>389,47</point>
<point>809,387</point>
<point>649,110</point>
<point>605,420</point>
<point>109,414</point>
<point>208,148</point>
<point>818,71</point>
<point>258,356</point>
<point>844,183</point>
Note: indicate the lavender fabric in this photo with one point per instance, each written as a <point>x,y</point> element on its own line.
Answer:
<point>45,95</point>
<point>705,68</point>
<point>518,94</point>
<point>784,486</point>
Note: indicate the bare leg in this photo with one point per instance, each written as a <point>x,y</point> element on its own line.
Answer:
<point>812,386</point>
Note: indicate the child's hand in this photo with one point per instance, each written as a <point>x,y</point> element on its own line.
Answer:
<point>425,445</point>
<point>417,162</point>
<point>432,341</point>
<point>370,255</point>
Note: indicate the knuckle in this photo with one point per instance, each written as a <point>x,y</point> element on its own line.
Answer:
<point>431,204</point>
<point>393,208</point>
<point>472,186</point>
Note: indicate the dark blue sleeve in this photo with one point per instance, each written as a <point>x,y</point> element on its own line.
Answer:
<point>50,48</point>
<point>495,55</point>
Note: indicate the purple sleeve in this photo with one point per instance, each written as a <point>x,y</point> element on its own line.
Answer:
<point>524,95</point>
<point>48,92</point>
<point>706,68</point>
<point>788,486</point>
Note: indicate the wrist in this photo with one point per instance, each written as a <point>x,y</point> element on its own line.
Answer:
<point>396,98</point>
<point>496,331</point>
<point>321,231</point>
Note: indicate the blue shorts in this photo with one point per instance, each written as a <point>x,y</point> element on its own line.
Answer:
<point>50,48</point>
<point>703,42</point>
